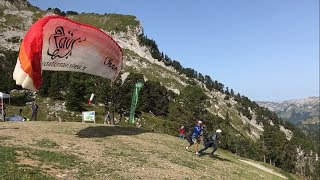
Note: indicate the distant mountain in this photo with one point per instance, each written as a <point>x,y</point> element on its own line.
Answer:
<point>297,110</point>
<point>302,112</point>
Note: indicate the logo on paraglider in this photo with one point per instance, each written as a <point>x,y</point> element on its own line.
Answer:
<point>61,44</point>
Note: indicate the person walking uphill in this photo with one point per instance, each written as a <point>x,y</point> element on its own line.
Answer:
<point>34,109</point>
<point>212,142</point>
<point>195,137</point>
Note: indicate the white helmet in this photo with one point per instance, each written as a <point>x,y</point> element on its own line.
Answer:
<point>200,122</point>
<point>218,131</point>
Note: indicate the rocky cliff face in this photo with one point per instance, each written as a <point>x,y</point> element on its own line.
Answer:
<point>16,17</point>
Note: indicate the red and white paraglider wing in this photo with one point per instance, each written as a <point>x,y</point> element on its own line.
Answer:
<point>59,44</point>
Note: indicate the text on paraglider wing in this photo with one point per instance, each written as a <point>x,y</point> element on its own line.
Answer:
<point>61,43</point>
<point>65,65</point>
<point>109,62</point>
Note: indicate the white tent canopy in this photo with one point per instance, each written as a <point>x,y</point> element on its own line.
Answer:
<point>4,96</point>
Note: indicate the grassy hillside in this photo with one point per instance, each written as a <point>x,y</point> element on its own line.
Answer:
<point>51,150</point>
<point>152,71</point>
<point>108,22</point>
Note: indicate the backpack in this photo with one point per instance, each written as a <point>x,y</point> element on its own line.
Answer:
<point>213,137</point>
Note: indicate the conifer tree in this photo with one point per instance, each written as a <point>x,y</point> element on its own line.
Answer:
<point>46,83</point>
<point>55,85</point>
<point>231,92</point>
<point>190,104</point>
<point>155,98</point>
<point>75,93</point>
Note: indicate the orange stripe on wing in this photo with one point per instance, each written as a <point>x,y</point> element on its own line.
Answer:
<point>25,61</point>
<point>31,51</point>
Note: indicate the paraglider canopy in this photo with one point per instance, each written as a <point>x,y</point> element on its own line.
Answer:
<point>60,44</point>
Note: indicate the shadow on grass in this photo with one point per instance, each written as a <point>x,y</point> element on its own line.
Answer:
<point>215,156</point>
<point>104,131</point>
<point>8,128</point>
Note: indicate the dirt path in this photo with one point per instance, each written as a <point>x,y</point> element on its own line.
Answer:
<point>263,168</point>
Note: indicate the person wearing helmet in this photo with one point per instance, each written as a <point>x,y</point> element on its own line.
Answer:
<point>212,142</point>
<point>195,137</point>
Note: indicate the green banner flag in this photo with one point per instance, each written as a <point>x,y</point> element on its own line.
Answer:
<point>134,102</point>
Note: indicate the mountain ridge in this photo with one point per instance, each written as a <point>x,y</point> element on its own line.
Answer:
<point>295,110</point>
<point>298,102</point>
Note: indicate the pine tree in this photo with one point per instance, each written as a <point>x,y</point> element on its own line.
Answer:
<point>55,85</point>
<point>190,104</point>
<point>154,98</point>
<point>231,92</point>
<point>75,94</point>
<point>227,91</point>
<point>208,82</point>
<point>7,64</point>
<point>46,83</point>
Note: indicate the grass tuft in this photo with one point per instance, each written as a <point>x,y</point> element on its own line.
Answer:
<point>46,143</point>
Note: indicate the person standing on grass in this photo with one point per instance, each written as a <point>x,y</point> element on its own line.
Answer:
<point>212,141</point>
<point>34,109</point>
<point>182,132</point>
<point>195,137</point>
<point>108,118</point>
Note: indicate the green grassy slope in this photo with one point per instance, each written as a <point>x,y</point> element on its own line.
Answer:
<point>51,150</point>
<point>108,22</point>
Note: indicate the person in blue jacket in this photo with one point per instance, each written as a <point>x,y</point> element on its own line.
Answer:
<point>195,137</point>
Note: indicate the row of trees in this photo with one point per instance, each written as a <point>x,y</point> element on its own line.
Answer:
<point>78,87</point>
<point>62,13</point>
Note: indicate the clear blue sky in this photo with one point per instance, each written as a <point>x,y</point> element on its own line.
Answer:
<point>264,49</point>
